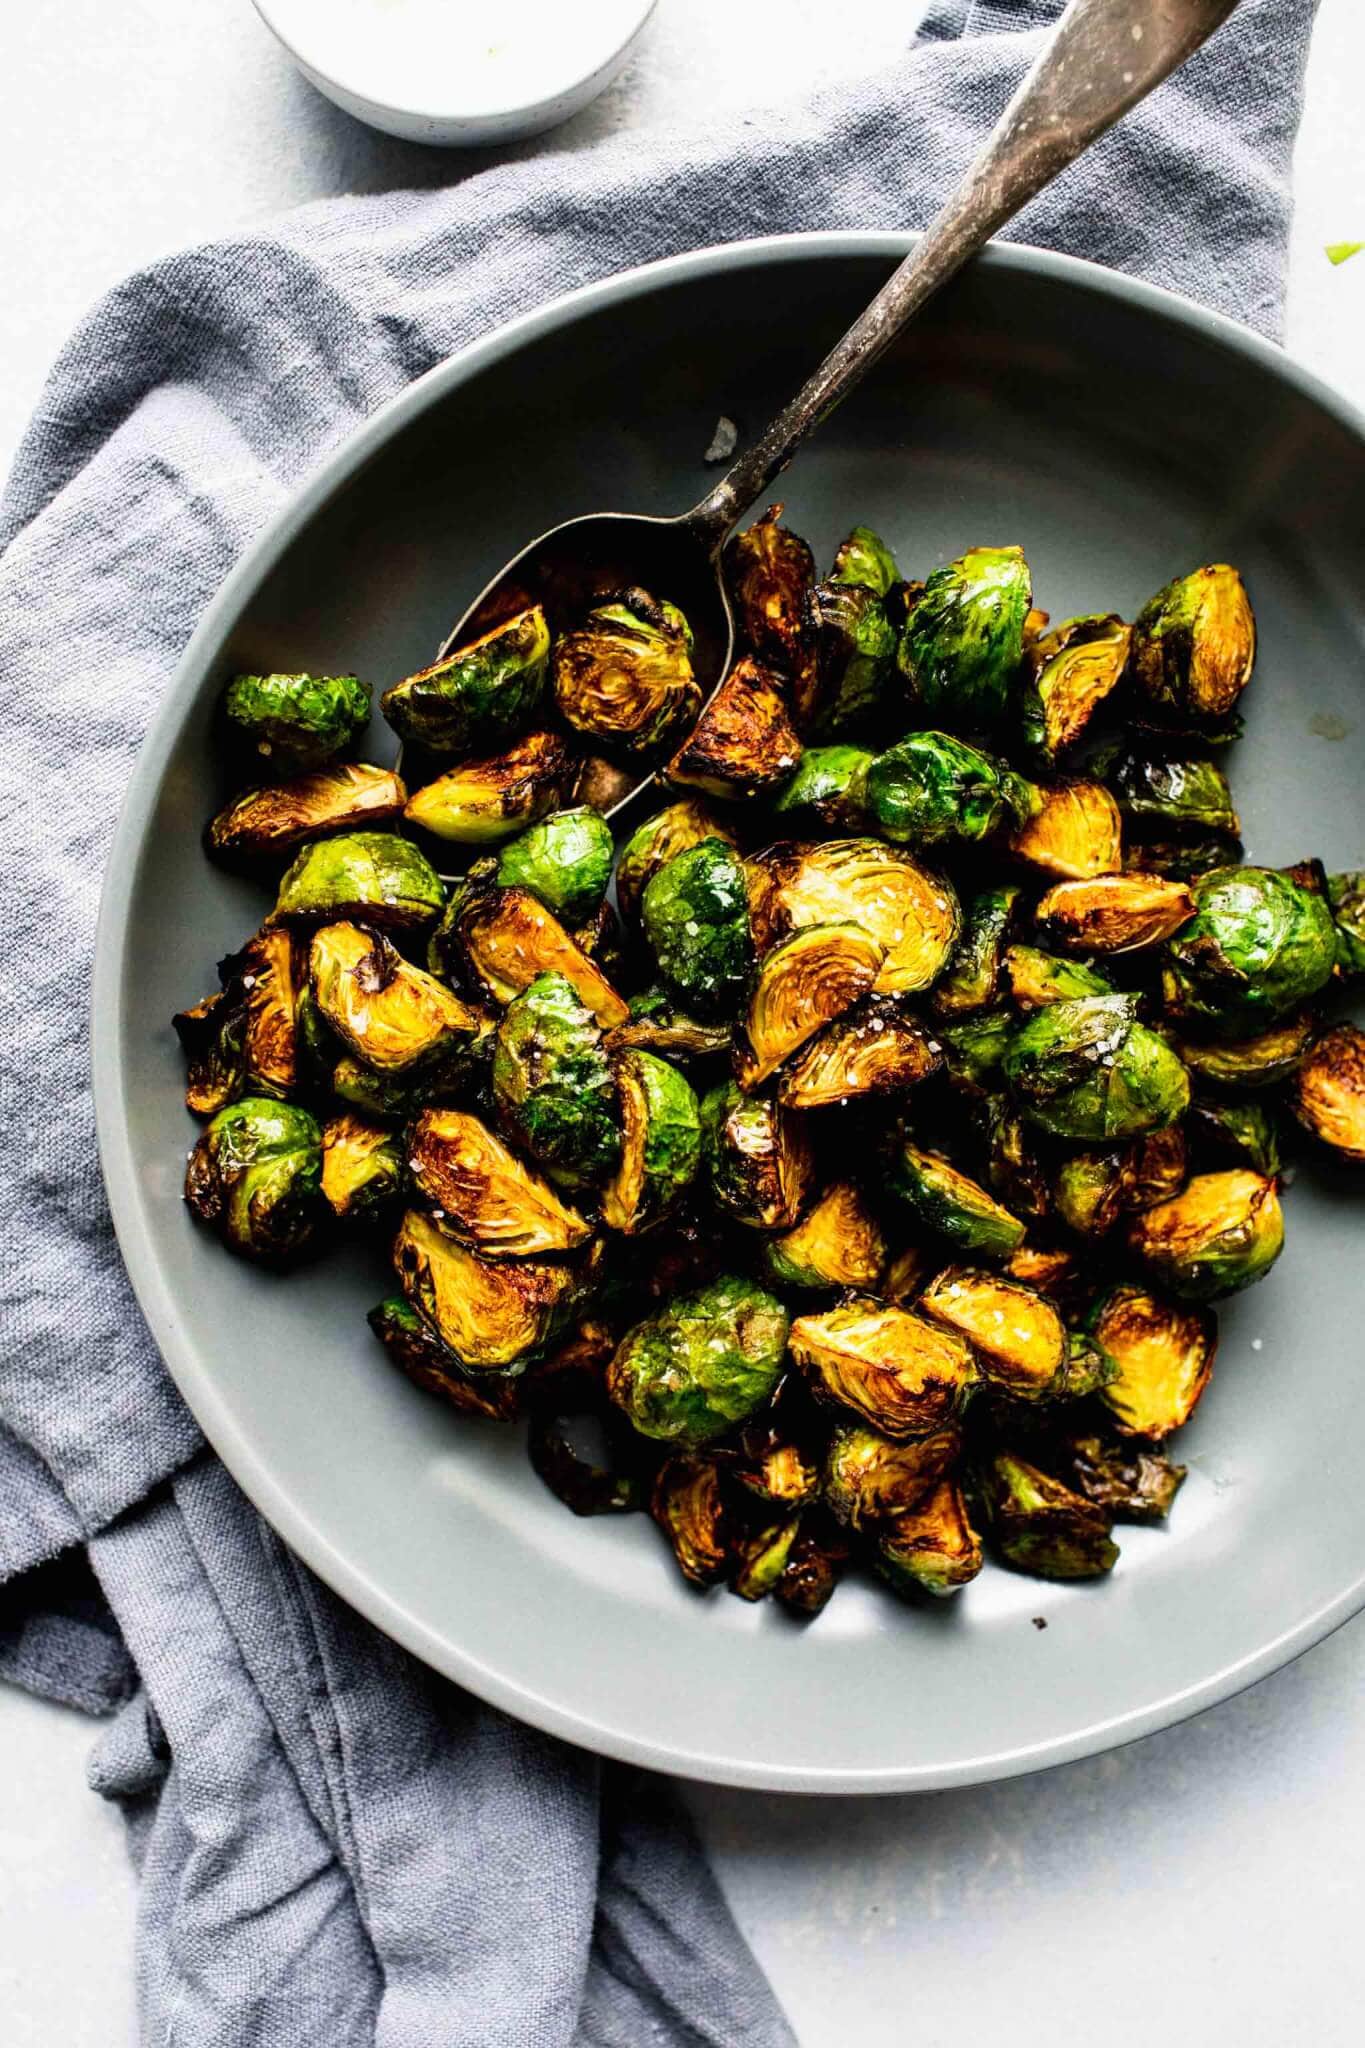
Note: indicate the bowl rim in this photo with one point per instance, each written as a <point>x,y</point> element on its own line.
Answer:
<point>248,1466</point>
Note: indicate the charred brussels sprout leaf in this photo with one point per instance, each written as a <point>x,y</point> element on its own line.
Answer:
<point>1194,644</point>
<point>933,790</point>
<point>675,829</point>
<point>701,1364</point>
<point>1162,1353</point>
<point>771,572</point>
<point>1069,672</point>
<point>478,696</point>
<point>1257,946</point>
<point>572,1471</point>
<point>864,560</point>
<point>660,1143</point>
<point>910,911</point>
<point>807,981</point>
<point>1088,1070</point>
<point>696,922</point>
<point>256,1178</point>
<point>744,743</point>
<point>362,1167</point>
<point>1181,860</point>
<point>828,790</point>
<point>1041,1527</point>
<point>1130,1481</point>
<point>565,860</point>
<point>875,1050</point>
<point>1222,1232</point>
<point>815,1564</point>
<point>625,675</point>
<point>417,1351</point>
<point>393,1016</point>
<point>375,877</point>
<point>870,1477</point>
<point>758,1156</point>
<point>933,1549</point>
<point>1163,794</point>
<point>491,1313</point>
<point>973,973</point>
<point>1076,832</point>
<point>658,1024</point>
<point>1037,979</point>
<point>1346,895</point>
<point>277,818</point>
<point>1114,913</point>
<point>689,1507</point>
<point>553,1085</point>
<point>1019,1338</point>
<point>947,1202</point>
<point>1328,1095</point>
<point>1244,1130</point>
<point>1260,1062</point>
<point>901,1373</point>
<point>839,1244</point>
<point>507,938</point>
<point>480,802</point>
<point>483,1194</point>
<point>854,645</point>
<point>964,640</point>
<point>297,721</point>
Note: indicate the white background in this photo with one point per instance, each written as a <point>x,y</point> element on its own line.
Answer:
<point>1203,1886</point>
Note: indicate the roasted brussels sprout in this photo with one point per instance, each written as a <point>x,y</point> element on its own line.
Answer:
<point>1130,1481</point>
<point>1037,978</point>
<point>255,1177</point>
<point>1260,1062</point>
<point>1076,832</point>
<point>744,744</point>
<point>297,721</point>
<point>904,1375</point>
<point>853,646</point>
<point>1181,860</point>
<point>1170,794</point>
<point>864,560</point>
<point>973,973</point>
<point>815,1564</point>
<point>906,1274</point>
<point>933,790</point>
<point>565,860</point>
<point>1053,1270</point>
<point>1328,1093</point>
<point>479,696</point>
<point>1019,1339</point>
<point>280,816</point>
<point>483,1194</point>
<point>689,1507</point>
<point>1245,1130</point>
<point>910,911</point>
<point>419,1352</point>
<point>660,1142</point>
<point>1346,895</point>
<point>771,572</point>
<point>1114,913</point>
<point>695,911</point>
<point>806,982</point>
<point>1015,1169</point>
<point>599,937</point>
<point>211,1035</point>
<point>572,1470</point>
<point>508,938</point>
<point>489,799</point>
<point>771,1461</point>
<point>362,1167</point>
<point>702,1363</point>
<point>1039,1526</point>
<point>245,1040</point>
<point>658,1024</point>
<point>759,1158</point>
<point>974,1046</point>
<point>625,675</point>
<point>933,1548</point>
<point>1162,1353</point>
<point>675,829</point>
<point>828,790</point>
<point>839,1244</point>
<point>553,1084</point>
<point>963,642</point>
<point>1257,946</point>
<point>1094,1190</point>
<point>393,1016</point>
<point>1068,673</point>
<point>761,1558</point>
<point>1222,1232</point>
<point>876,1049</point>
<point>1194,644</point>
<point>946,1201</point>
<point>491,1313</point>
<point>372,876</point>
<point>869,1477</point>
<point>1088,1070</point>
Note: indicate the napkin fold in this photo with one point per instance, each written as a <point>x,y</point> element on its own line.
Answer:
<point>337,1847</point>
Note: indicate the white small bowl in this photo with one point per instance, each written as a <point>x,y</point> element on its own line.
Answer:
<point>458,72</point>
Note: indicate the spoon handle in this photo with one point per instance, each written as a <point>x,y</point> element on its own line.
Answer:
<point>1104,56</point>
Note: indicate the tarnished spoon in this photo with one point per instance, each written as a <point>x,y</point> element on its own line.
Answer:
<point>1103,57</point>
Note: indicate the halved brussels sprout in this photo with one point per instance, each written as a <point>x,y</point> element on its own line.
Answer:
<point>839,1244</point>
<point>1257,946</point>
<point>1041,1527</point>
<point>933,790</point>
<point>1068,673</point>
<point>374,876</point>
<point>1163,793</point>
<point>1246,1130</point>
<point>625,675</point>
<point>702,1363</point>
<point>908,909</point>
<point>1094,1189</point>
<point>491,1313</point>
<point>1222,1232</point>
<point>869,1477</point>
<point>263,979</point>
<point>815,1564</point>
<point>775,1466</point>
<point>759,1158</point>
<point>419,1352</point>
<point>906,1376</point>
<point>1130,1481</point>
<point>478,696</point>
<point>482,801</point>
<point>362,1167</point>
<point>1162,1352</point>
<point>1154,1168</point>
<point>974,1046</point>
<point>1037,978</point>
<point>1328,1095</point>
<point>1260,1062</point>
<point>1053,1270</point>
<point>571,1468</point>
<point>1346,895</point>
<point>658,1024</point>
<point>806,982</point>
<point>675,829</point>
<point>211,1036</point>
<point>565,860</point>
<point>770,573</point>
<point>1088,1070</point>
<point>854,645</point>
<point>1114,913</point>
<point>660,1142</point>
<point>827,791</point>
<point>973,973</point>
<point>695,911</point>
<point>933,1549</point>
<point>281,816</point>
<point>744,743</point>
<point>864,560</point>
<point>1194,644</point>
<point>553,1084</point>
<point>689,1507</point>
<point>1019,1339</point>
<point>761,1558</point>
<point>392,1015</point>
<point>255,1177</point>
<point>1076,833</point>
<point>876,1049</point>
<point>508,938</point>
<point>964,640</point>
<point>947,1202</point>
<point>483,1194</point>
<point>297,721</point>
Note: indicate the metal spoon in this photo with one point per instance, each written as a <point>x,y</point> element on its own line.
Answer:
<point>1104,56</point>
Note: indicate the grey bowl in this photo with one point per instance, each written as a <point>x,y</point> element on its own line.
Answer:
<point>1121,435</point>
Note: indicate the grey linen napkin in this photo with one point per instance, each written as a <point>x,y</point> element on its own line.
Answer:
<point>336,1846</point>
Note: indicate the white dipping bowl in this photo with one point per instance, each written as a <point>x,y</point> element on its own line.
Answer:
<point>456,72</point>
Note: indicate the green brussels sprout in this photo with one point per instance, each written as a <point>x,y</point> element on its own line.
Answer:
<point>762,1558</point>
<point>503,938</point>
<point>696,920</point>
<point>625,675</point>
<point>1130,1481</point>
<point>1041,1527</point>
<point>417,1351</point>
<point>869,1477</point>
<point>875,1049</point>
<point>1068,674</point>
<point>744,744</point>
<point>947,1202</point>
<point>892,1367</point>
<point>1219,1234</point>
<point>758,1156</point>
<point>1346,894</point>
<point>1093,1190</point>
<point>1114,913</point>
<point>1194,644</point>
<point>483,1194</point>
<point>675,829</point>
<point>491,1313</point>
<point>854,646</point>
<point>297,722</point>
<point>974,1046</point>
<point>815,1564</point>
<point>688,1505</point>
<point>1328,1092</point>
<point>564,859</point>
<point>910,911</point>
<point>1270,1057</point>
<point>931,789</point>
<point>1162,792</point>
<point>1088,1070</point>
<point>1162,1355</point>
<point>931,1549</point>
<point>281,816</point>
<point>972,976</point>
<point>864,560</point>
<point>838,1244</point>
<point>1014,1168</point>
<point>375,877</point>
<point>255,1177</point>
<point>212,1035</point>
<point>962,644</point>
<point>498,795</point>
<point>1036,979</point>
<point>478,696</point>
<point>574,1475</point>
<point>1017,1334</point>
<point>770,573</point>
<point>807,981</point>
<point>362,1167</point>
<point>393,1016</point>
<point>660,1143</point>
<point>658,1024</point>
<point>1075,833</point>
<point>1245,1130</point>
<point>828,791</point>
<point>553,1084</point>
<point>702,1363</point>
<point>1257,946</point>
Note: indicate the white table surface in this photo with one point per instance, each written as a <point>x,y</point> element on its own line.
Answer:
<point>1202,1886</point>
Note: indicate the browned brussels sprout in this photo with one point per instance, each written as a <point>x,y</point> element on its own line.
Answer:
<point>1131,1481</point>
<point>375,877</point>
<point>491,1313</point>
<point>417,1351</point>
<point>1194,644</point>
<point>1076,833</point>
<point>853,646</point>
<point>1041,1527</point>
<point>602,784</point>
<point>676,828</point>
<point>281,816</point>
<point>211,1036</point>
<point>1328,1094</point>
<point>875,1050</point>
<point>660,1143</point>
<point>773,1464</point>
<point>1088,1070</point>
<point>964,640</point>
<point>1019,1338</point>
<point>658,1024</point>
<point>973,974</point>
<point>945,1200</point>
<point>600,939</point>
<point>393,1016</point>
<point>804,983</point>
<point>906,1274</point>
<point>553,1084</point>
<point>1036,978</point>
<point>1222,1232</point>
<point>244,1041</point>
<point>839,1244</point>
<point>762,1556</point>
<point>1182,860</point>
<point>1162,1352</point>
<point>1093,1190</point>
<point>702,1363</point>
<point>497,795</point>
<point>479,696</point>
<point>1261,1062</point>
<point>571,1468</point>
<point>1068,674</point>
<point>1258,945</point>
<point>815,1564</point>
<point>1114,913</point>
<point>827,792</point>
<point>904,1375</point>
<point>508,938</point>
<point>1163,793</point>
<point>1346,895</point>
<point>1246,1131</point>
<point>255,1177</point>
<point>625,675</point>
<point>744,743</point>
<point>1053,1270</point>
<point>362,1167</point>
<point>695,912</point>
<point>564,859</point>
<point>483,1194</point>
<point>689,1507</point>
<point>1015,1169</point>
<point>297,721</point>
<point>869,1477</point>
<point>759,1158</point>
<point>771,573</point>
<point>933,1549</point>
<point>909,910</point>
